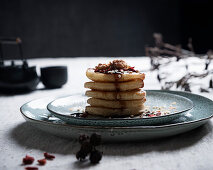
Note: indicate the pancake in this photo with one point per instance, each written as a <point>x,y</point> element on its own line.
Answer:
<point>115,90</point>
<point>112,95</point>
<point>101,77</point>
<point>122,86</point>
<point>116,104</point>
<point>108,112</point>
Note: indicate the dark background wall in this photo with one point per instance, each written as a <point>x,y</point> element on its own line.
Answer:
<point>54,28</point>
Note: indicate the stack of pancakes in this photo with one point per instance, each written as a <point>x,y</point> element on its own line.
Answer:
<point>115,90</point>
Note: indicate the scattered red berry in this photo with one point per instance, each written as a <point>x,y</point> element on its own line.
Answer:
<point>151,115</point>
<point>42,161</point>
<point>28,160</point>
<point>31,168</point>
<point>158,114</point>
<point>48,156</point>
<point>132,69</point>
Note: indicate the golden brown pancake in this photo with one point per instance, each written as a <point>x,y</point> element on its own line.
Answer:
<point>122,86</point>
<point>116,104</point>
<point>113,95</point>
<point>101,77</point>
<point>107,112</point>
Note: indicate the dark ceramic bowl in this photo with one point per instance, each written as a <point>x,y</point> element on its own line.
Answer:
<point>54,77</point>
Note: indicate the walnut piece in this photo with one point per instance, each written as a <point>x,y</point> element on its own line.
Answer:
<point>119,64</point>
<point>102,67</point>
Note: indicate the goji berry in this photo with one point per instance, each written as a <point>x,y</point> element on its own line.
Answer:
<point>28,160</point>
<point>31,168</point>
<point>48,156</point>
<point>42,161</point>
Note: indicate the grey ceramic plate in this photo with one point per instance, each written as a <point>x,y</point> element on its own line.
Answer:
<point>70,108</point>
<point>36,113</point>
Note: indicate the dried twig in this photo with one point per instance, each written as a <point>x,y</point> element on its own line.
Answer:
<point>164,50</point>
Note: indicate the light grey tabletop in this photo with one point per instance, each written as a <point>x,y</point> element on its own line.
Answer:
<point>189,151</point>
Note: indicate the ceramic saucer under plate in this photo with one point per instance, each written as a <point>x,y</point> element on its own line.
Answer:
<point>37,115</point>
<point>70,109</point>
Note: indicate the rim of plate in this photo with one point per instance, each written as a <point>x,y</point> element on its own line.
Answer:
<point>117,127</point>
<point>126,119</point>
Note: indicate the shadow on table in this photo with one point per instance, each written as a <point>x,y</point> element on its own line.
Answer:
<point>172,143</point>
<point>28,136</point>
<point>177,142</point>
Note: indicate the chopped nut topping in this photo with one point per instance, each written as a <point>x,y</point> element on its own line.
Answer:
<point>115,67</point>
<point>158,111</point>
<point>119,64</point>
